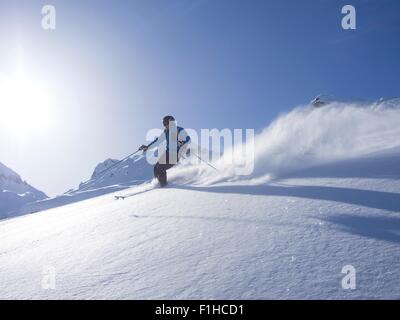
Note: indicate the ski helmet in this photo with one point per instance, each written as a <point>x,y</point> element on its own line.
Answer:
<point>167,119</point>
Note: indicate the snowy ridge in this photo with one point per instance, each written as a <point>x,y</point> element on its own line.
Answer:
<point>129,172</point>
<point>14,192</point>
<point>101,167</point>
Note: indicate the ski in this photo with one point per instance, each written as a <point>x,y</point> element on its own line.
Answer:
<point>139,190</point>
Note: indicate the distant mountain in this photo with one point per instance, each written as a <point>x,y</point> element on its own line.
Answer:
<point>101,167</point>
<point>129,172</point>
<point>14,192</point>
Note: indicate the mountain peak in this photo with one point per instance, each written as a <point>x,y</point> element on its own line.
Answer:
<point>103,166</point>
<point>6,172</point>
<point>15,192</point>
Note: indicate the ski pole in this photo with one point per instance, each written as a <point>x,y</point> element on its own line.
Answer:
<point>206,162</point>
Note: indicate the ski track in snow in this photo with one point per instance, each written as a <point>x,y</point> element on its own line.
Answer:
<point>325,193</point>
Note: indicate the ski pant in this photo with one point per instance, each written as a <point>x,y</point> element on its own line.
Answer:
<point>161,167</point>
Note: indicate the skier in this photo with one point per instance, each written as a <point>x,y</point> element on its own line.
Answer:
<point>176,140</point>
<point>318,102</point>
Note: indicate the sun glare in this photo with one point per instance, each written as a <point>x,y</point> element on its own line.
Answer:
<point>24,106</point>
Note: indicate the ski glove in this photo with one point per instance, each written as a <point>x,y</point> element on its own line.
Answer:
<point>143,147</point>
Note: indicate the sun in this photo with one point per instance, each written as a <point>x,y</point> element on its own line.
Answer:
<point>24,106</point>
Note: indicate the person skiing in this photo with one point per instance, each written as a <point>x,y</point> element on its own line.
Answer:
<point>318,102</point>
<point>177,140</point>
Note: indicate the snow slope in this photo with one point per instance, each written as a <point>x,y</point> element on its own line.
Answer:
<point>325,193</point>
<point>287,239</point>
<point>14,192</point>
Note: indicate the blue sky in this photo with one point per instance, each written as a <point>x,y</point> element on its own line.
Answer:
<point>116,67</point>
